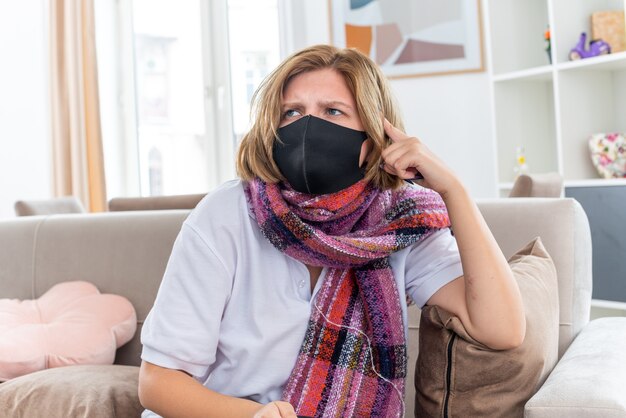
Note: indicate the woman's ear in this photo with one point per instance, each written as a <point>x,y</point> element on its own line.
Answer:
<point>366,147</point>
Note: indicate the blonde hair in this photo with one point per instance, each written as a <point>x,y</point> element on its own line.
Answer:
<point>373,101</point>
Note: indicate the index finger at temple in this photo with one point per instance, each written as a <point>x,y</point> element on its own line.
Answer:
<point>392,132</point>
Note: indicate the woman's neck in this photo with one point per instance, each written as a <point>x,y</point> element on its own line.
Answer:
<point>314,272</point>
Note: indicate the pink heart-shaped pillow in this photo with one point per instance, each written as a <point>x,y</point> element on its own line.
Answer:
<point>608,154</point>
<point>72,323</point>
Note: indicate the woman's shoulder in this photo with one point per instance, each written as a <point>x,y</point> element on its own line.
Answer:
<point>225,205</point>
<point>228,192</point>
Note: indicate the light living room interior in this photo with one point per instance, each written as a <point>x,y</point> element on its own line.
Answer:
<point>115,110</point>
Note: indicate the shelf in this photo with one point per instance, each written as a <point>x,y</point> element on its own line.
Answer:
<point>551,109</point>
<point>605,308</point>
<point>594,183</point>
<point>611,62</point>
<point>570,19</point>
<point>608,304</point>
<point>590,102</point>
<point>576,183</point>
<point>539,73</point>
<point>512,26</point>
<point>608,62</point>
<point>527,120</point>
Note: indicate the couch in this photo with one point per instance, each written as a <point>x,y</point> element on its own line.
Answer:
<point>537,185</point>
<point>183,201</point>
<point>55,205</point>
<point>125,253</point>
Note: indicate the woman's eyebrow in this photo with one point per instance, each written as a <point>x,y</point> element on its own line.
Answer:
<point>335,103</point>
<point>291,105</point>
<point>321,104</point>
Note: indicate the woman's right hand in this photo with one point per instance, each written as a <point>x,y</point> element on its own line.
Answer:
<point>276,409</point>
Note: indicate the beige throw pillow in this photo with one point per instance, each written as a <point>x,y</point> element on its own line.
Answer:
<point>107,391</point>
<point>456,376</point>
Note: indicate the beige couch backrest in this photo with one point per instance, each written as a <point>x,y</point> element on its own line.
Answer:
<point>123,253</point>
<point>126,253</point>
<point>564,228</point>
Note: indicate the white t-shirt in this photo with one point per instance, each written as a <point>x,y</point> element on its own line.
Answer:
<point>232,310</point>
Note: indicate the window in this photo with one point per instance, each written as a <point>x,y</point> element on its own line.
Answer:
<point>175,89</point>
<point>169,83</point>
<point>254,52</point>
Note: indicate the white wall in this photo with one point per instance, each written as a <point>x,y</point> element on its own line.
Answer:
<point>451,114</point>
<point>25,171</point>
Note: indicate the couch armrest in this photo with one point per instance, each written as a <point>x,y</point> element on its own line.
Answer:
<point>564,230</point>
<point>590,378</point>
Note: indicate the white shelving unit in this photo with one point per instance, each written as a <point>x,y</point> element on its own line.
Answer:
<point>548,104</point>
<point>550,107</point>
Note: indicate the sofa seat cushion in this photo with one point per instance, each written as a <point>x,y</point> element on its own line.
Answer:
<point>458,376</point>
<point>72,323</point>
<point>590,379</point>
<point>73,392</point>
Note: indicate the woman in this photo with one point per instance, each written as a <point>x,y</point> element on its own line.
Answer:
<point>286,291</point>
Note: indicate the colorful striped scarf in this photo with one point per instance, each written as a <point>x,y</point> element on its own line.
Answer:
<point>352,362</point>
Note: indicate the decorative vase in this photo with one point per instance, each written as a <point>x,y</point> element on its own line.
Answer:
<point>608,154</point>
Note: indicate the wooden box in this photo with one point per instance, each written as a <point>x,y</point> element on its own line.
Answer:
<point>609,26</point>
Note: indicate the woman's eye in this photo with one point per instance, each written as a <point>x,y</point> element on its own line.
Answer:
<point>290,113</point>
<point>335,112</point>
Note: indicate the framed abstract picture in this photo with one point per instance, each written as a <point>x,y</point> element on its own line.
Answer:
<point>411,38</point>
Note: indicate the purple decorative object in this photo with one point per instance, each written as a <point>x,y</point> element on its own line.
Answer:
<point>596,47</point>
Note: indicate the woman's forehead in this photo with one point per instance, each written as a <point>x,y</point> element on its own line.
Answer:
<point>324,84</point>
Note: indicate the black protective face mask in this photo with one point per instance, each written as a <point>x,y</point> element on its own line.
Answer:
<point>317,156</point>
